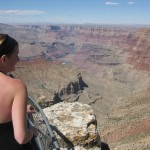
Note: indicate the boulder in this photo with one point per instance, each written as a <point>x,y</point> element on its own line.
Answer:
<point>75,124</point>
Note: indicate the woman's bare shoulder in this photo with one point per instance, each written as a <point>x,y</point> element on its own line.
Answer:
<point>15,84</point>
<point>18,83</point>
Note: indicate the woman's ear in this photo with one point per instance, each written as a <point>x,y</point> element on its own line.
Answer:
<point>3,58</point>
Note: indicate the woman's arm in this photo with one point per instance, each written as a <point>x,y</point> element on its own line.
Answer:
<point>19,114</point>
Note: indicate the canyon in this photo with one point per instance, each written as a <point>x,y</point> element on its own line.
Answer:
<point>105,66</point>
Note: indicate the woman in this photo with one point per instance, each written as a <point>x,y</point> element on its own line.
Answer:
<point>14,134</point>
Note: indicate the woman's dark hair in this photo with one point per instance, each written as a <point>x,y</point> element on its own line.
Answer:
<point>7,45</point>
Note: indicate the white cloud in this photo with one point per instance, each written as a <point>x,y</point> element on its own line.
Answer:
<point>20,12</point>
<point>111,3</point>
<point>131,3</point>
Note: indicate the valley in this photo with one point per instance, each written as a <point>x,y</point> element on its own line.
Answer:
<point>114,63</point>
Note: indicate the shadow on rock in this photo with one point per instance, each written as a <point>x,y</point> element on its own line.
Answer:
<point>104,146</point>
<point>65,141</point>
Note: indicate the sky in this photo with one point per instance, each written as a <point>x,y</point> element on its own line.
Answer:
<point>75,11</point>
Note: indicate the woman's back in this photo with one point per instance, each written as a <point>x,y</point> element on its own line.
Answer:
<point>8,125</point>
<point>6,97</point>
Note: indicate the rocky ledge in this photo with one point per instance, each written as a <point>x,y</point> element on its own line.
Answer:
<point>75,124</point>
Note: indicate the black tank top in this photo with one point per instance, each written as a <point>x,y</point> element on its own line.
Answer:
<point>7,140</point>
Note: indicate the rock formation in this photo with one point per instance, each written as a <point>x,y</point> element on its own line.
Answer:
<point>70,91</point>
<point>75,123</point>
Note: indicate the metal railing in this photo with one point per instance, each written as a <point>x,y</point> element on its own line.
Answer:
<point>45,139</point>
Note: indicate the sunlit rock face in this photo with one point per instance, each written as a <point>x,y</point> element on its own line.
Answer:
<point>138,49</point>
<point>75,122</point>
